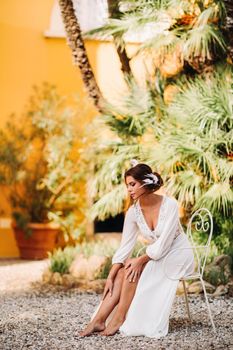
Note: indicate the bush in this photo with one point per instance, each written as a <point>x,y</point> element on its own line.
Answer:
<point>216,276</point>
<point>101,247</point>
<point>60,260</point>
<point>104,271</point>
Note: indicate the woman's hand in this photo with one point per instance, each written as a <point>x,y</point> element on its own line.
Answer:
<point>134,268</point>
<point>108,287</point>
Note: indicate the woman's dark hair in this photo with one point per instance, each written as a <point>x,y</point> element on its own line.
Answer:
<point>139,172</point>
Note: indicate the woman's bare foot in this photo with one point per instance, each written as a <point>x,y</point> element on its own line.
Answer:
<point>113,326</point>
<point>92,327</point>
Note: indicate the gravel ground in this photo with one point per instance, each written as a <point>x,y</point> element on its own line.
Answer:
<point>41,317</point>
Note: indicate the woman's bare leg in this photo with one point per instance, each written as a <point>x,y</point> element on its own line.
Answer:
<point>126,297</point>
<point>108,304</point>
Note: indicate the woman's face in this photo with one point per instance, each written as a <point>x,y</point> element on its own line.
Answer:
<point>133,187</point>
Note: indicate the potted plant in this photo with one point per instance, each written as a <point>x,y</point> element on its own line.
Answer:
<point>38,162</point>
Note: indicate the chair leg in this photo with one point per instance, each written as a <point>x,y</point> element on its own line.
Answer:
<point>186,301</point>
<point>208,305</point>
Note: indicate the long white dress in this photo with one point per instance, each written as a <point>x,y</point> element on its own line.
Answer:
<point>150,308</point>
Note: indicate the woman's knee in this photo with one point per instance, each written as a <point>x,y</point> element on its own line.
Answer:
<point>120,273</point>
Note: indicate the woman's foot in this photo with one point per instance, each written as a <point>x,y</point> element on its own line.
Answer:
<point>92,327</point>
<point>113,326</point>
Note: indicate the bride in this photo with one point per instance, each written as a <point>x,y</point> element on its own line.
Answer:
<point>138,296</point>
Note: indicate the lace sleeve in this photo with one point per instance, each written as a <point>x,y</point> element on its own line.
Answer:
<point>129,238</point>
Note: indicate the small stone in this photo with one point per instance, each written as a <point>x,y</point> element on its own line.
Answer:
<point>68,280</point>
<point>83,268</point>
<point>230,288</point>
<point>219,270</point>
<point>97,285</point>
<point>196,287</point>
<point>221,290</point>
<point>56,278</point>
<point>46,276</point>
<point>222,260</point>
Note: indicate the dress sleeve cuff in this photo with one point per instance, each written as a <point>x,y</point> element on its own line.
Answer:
<point>149,253</point>
<point>117,261</point>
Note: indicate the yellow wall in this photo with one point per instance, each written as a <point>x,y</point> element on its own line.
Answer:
<point>29,58</point>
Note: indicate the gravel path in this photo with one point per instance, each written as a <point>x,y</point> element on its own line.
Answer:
<point>47,318</point>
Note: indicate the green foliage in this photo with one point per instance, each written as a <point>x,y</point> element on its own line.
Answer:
<point>60,260</point>
<point>104,271</point>
<point>193,26</point>
<point>195,156</point>
<point>188,140</point>
<point>192,149</point>
<point>39,161</point>
<point>139,249</point>
<point>99,247</point>
<point>216,276</point>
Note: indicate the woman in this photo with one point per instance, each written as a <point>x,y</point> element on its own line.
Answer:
<point>138,295</point>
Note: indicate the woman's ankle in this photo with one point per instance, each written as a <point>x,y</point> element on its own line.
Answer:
<point>99,320</point>
<point>119,317</point>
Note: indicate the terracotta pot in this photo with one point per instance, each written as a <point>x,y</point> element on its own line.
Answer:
<point>43,239</point>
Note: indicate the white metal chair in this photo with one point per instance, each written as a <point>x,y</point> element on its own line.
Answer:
<point>201,221</point>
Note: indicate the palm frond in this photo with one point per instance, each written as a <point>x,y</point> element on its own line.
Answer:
<point>208,102</point>
<point>186,186</point>
<point>110,204</point>
<point>218,198</point>
<point>202,41</point>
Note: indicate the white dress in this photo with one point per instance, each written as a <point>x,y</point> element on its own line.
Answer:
<point>150,308</point>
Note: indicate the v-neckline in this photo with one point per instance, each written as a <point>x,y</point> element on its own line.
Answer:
<point>143,217</point>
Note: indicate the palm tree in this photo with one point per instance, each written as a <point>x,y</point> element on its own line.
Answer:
<point>229,26</point>
<point>76,43</point>
<point>114,12</point>
<point>191,29</point>
<point>189,141</point>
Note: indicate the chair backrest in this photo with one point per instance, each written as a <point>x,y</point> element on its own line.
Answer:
<point>201,221</point>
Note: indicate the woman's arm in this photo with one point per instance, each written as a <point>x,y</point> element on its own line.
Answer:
<point>144,259</point>
<point>128,239</point>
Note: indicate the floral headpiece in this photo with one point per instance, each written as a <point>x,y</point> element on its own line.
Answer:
<point>151,178</point>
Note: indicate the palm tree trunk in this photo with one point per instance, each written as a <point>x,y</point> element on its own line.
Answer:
<point>76,43</point>
<point>229,26</point>
<point>113,10</point>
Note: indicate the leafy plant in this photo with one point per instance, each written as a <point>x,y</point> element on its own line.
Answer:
<point>39,161</point>
<point>104,271</point>
<point>196,155</point>
<point>99,247</point>
<point>60,260</point>
<point>193,28</point>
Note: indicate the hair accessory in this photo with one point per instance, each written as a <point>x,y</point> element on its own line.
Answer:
<point>133,162</point>
<point>151,179</point>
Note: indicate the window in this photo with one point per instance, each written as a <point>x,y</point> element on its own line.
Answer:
<point>91,14</point>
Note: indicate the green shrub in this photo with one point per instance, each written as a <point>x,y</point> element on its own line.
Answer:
<point>216,276</point>
<point>104,271</point>
<point>60,260</point>
<point>101,247</point>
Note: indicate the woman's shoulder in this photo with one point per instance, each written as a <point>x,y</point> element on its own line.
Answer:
<point>171,201</point>
<point>130,214</point>
<point>131,210</point>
